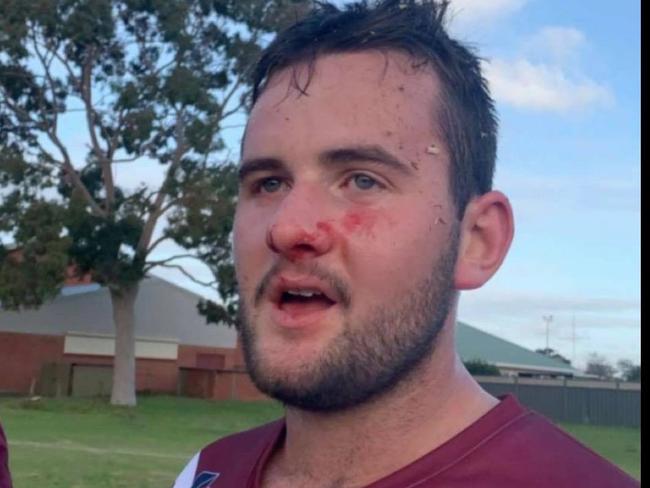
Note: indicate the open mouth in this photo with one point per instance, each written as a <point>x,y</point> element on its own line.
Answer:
<point>303,302</point>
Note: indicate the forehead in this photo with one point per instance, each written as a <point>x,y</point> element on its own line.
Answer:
<point>350,98</point>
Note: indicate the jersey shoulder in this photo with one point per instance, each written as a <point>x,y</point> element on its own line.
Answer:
<point>231,460</point>
<point>546,454</point>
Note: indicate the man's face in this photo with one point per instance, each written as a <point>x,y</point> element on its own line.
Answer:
<point>345,235</point>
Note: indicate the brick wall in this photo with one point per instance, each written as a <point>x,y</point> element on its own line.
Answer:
<point>23,355</point>
<point>21,358</point>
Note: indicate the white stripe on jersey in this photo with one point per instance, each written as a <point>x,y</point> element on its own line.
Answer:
<point>186,478</point>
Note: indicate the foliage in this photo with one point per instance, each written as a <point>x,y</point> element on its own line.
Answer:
<point>152,79</point>
<point>479,367</point>
<point>552,353</point>
<point>629,371</point>
<point>599,366</point>
<point>141,80</point>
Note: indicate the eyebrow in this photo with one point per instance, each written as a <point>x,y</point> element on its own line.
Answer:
<point>337,157</point>
<point>370,153</point>
<point>259,164</point>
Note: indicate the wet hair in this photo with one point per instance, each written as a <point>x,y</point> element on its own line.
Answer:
<point>466,113</point>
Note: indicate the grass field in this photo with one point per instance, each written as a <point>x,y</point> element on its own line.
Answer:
<point>72,443</point>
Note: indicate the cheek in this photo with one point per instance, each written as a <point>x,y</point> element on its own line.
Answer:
<point>389,250</point>
<point>362,222</point>
<point>248,249</point>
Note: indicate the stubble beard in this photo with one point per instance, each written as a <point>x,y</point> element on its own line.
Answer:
<point>370,357</point>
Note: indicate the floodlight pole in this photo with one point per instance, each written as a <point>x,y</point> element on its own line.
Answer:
<point>573,327</point>
<point>548,319</point>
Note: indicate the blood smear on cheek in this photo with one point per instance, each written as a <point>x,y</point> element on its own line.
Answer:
<point>355,222</point>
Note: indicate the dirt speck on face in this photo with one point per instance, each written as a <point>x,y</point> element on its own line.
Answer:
<point>433,149</point>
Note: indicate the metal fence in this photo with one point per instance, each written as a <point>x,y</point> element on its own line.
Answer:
<point>573,401</point>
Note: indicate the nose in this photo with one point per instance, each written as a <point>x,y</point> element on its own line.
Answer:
<point>299,228</point>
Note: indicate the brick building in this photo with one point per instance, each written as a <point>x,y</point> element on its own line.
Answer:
<point>67,346</point>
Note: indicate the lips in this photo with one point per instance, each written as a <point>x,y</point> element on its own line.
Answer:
<point>300,301</point>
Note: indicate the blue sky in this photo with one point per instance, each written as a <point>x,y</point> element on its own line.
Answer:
<point>566,80</point>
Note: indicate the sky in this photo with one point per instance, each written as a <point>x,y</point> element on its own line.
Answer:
<point>566,81</point>
<point>565,77</point>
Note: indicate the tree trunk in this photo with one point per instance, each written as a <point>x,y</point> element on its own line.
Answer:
<point>123,301</point>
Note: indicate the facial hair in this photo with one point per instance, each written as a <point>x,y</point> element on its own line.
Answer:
<point>369,357</point>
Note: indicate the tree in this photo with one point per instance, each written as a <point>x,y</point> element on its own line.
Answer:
<point>150,80</point>
<point>552,353</point>
<point>629,371</point>
<point>597,365</point>
<point>479,367</point>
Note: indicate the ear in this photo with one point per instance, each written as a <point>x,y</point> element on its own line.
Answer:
<point>486,233</point>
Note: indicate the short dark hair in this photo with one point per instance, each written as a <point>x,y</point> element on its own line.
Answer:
<point>467,116</point>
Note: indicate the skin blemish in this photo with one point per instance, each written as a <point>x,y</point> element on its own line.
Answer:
<point>440,220</point>
<point>388,133</point>
<point>401,88</point>
<point>432,149</point>
<point>325,227</point>
<point>437,206</point>
<point>359,222</point>
<point>414,165</point>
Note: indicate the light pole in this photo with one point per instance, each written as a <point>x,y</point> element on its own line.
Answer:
<point>548,319</point>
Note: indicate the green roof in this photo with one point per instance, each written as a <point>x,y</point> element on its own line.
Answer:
<point>472,343</point>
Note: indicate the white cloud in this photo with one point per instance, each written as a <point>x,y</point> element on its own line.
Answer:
<point>545,75</point>
<point>464,13</point>
<point>557,43</point>
<point>543,87</point>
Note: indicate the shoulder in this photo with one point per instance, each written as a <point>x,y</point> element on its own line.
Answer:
<point>545,452</point>
<point>250,440</point>
<point>230,459</point>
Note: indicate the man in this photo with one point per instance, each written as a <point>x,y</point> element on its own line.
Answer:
<point>365,206</point>
<point>5,476</point>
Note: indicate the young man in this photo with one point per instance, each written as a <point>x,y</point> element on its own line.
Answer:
<point>365,206</point>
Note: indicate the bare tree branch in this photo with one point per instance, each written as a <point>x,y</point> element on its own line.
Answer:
<point>154,215</point>
<point>189,275</point>
<point>156,242</point>
<point>91,123</point>
<point>160,262</point>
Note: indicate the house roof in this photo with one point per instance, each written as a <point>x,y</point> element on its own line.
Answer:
<point>163,311</point>
<point>473,343</point>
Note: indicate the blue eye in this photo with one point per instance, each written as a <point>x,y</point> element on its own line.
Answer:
<point>270,185</point>
<point>364,182</point>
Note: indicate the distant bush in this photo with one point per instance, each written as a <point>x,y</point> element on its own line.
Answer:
<point>478,367</point>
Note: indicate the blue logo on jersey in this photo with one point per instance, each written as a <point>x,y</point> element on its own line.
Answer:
<point>204,479</point>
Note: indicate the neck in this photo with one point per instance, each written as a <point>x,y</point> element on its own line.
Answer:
<point>358,446</point>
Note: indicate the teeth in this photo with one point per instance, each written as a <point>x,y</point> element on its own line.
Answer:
<point>304,293</point>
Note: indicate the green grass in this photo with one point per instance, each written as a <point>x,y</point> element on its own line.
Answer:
<point>621,445</point>
<point>73,443</point>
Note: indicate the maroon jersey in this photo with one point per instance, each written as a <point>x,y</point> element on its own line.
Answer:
<point>5,478</point>
<point>509,447</point>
